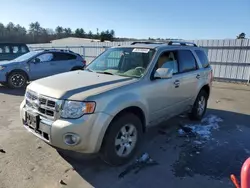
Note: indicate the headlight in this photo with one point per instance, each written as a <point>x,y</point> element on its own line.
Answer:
<point>75,109</point>
<point>2,67</point>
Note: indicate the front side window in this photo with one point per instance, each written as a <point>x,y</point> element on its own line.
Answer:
<point>187,61</point>
<point>168,60</point>
<point>128,62</point>
<point>23,49</point>
<point>45,57</point>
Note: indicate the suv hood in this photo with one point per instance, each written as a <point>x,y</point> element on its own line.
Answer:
<point>77,85</point>
<point>3,63</point>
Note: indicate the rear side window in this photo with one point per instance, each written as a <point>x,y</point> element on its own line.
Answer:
<point>63,56</point>
<point>187,61</point>
<point>203,58</point>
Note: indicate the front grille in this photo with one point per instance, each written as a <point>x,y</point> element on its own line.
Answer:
<point>45,106</point>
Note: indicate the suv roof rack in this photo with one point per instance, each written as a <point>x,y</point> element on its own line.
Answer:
<point>58,50</point>
<point>146,42</point>
<point>182,43</point>
<point>171,42</point>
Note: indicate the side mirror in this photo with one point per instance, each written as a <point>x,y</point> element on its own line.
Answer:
<point>36,60</point>
<point>163,73</point>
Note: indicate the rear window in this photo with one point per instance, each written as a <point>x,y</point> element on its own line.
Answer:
<point>203,58</point>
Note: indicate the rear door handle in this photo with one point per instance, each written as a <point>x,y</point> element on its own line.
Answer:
<point>177,83</point>
<point>198,76</point>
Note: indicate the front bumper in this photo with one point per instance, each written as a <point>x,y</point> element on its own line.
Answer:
<point>91,129</point>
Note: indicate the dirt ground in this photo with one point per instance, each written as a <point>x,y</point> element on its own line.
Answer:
<point>218,149</point>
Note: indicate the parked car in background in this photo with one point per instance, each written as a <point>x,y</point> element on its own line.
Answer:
<point>38,64</point>
<point>9,51</point>
<point>107,107</point>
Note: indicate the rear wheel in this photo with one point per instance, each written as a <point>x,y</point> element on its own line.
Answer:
<point>200,106</point>
<point>122,139</point>
<point>17,80</point>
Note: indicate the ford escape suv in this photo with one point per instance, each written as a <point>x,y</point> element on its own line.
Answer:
<point>107,107</point>
<point>38,64</point>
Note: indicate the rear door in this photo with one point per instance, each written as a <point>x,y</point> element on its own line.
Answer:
<point>63,62</point>
<point>188,77</point>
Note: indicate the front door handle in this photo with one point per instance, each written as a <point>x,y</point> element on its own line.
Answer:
<point>177,83</point>
<point>198,76</point>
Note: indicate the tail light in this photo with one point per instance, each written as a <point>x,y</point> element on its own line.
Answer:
<point>84,62</point>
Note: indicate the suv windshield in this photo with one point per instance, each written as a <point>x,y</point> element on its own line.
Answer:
<point>129,62</point>
<point>26,56</point>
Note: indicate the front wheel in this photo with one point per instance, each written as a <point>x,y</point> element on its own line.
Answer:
<point>17,80</point>
<point>200,106</point>
<point>122,139</point>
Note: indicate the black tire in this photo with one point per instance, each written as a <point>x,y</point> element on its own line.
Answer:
<point>21,79</point>
<point>109,151</point>
<point>195,113</point>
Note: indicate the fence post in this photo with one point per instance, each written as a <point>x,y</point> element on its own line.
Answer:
<point>83,52</point>
<point>248,75</point>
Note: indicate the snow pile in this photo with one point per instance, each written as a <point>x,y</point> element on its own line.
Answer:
<point>204,129</point>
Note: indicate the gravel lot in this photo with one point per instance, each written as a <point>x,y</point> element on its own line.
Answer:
<point>220,147</point>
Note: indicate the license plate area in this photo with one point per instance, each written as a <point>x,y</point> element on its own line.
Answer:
<point>32,120</point>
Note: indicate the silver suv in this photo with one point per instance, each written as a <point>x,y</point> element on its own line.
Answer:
<point>107,107</point>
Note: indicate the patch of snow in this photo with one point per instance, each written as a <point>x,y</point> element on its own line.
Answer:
<point>197,142</point>
<point>204,129</point>
<point>181,132</point>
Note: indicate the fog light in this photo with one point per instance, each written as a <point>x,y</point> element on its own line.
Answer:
<point>71,139</point>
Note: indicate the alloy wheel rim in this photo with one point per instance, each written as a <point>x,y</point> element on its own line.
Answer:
<point>17,80</point>
<point>201,105</point>
<point>125,140</point>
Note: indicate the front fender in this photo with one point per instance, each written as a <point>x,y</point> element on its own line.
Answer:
<point>124,101</point>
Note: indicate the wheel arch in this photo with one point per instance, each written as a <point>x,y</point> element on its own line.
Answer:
<point>132,109</point>
<point>206,88</point>
<point>18,70</point>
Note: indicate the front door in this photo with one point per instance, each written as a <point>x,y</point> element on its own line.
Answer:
<point>41,66</point>
<point>164,95</point>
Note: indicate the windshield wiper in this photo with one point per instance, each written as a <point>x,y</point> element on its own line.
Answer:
<point>105,73</point>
